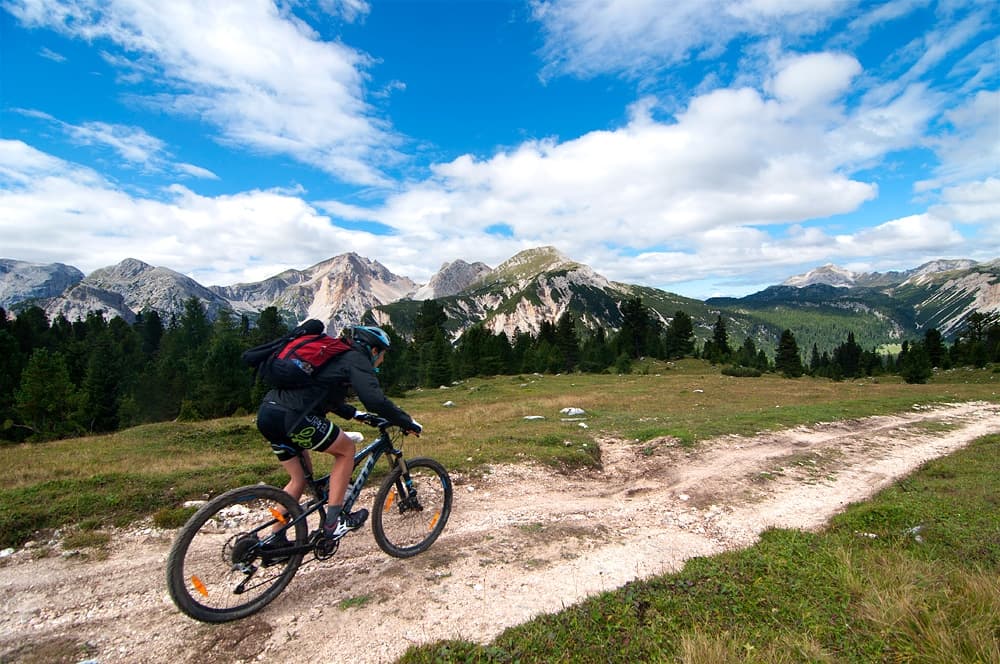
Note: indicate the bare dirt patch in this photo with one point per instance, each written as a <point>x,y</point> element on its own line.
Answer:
<point>522,540</point>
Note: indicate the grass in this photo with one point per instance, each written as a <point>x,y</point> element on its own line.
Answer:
<point>354,602</point>
<point>911,576</point>
<point>118,479</point>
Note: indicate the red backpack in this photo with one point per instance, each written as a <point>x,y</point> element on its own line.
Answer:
<point>289,362</point>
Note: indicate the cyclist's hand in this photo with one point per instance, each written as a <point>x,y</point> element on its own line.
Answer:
<point>414,428</point>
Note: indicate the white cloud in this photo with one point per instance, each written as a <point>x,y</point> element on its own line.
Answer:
<point>732,158</point>
<point>588,37</point>
<point>972,148</point>
<point>738,180</point>
<point>132,144</point>
<point>972,203</point>
<point>196,171</point>
<point>350,10</point>
<point>884,13</point>
<point>21,164</point>
<point>88,222</point>
<point>49,54</point>
<point>916,233</point>
<point>814,79</point>
<point>261,76</point>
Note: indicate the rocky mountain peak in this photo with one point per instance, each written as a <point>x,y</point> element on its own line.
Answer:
<point>337,291</point>
<point>530,263</point>
<point>829,274</point>
<point>452,279</point>
<point>130,268</point>
<point>22,280</point>
<point>130,286</point>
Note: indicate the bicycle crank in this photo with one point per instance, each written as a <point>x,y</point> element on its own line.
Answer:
<point>325,548</point>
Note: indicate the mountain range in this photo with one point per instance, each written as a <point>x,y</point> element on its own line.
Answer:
<point>536,285</point>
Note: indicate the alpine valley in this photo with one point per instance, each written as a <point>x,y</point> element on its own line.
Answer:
<point>821,307</point>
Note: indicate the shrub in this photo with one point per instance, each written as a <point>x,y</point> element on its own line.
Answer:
<point>741,372</point>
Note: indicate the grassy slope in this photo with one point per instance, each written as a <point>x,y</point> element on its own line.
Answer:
<point>119,478</point>
<point>865,590</point>
<point>910,576</point>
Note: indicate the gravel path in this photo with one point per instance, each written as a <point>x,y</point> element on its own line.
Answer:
<point>522,540</point>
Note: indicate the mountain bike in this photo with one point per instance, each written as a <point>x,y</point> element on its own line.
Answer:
<point>240,550</point>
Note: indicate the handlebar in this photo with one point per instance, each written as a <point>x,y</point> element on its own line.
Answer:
<point>380,423</point>
<point>373,420</point>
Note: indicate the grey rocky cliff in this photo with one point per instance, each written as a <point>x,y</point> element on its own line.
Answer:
<point>22,281</point>
<point>451,279</point>
<point>337,291</point>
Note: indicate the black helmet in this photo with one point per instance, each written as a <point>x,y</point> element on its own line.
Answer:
<point>373,337</point>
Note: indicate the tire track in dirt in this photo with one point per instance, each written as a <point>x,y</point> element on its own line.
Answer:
<point>522,540</point>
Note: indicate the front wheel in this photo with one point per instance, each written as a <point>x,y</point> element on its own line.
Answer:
<point>412,508</point>
<point>217,570</point>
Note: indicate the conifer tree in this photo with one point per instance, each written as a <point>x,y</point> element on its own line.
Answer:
<point>637,328</point>
<point>472,348</point>
<point>567,342</point>
<point>934,346</point>
<point>31,329</point>
<point>787,360</point>
<point>596,354</point>
<point>815,361</point>
<point>99,393</point>
<point>430,344</point>
<point>46,398</point>
<point>270,325</point>
<point>848,357</point>
<point>717,349</point>
<point>680,337</point>
<point>225,385</point>
<point>12,363</point>
<point>399,371</point>
<point>149,326</point>
<point>915,364</point>
<point>435,361</point>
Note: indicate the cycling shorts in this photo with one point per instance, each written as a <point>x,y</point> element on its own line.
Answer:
<point>311,433</point>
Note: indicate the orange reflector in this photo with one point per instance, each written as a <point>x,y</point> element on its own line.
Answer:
<point>279,517</point>
<point>434,521</point>
<point>199,586</point>
<point>390,499</point>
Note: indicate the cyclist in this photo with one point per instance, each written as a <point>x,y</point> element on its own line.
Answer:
<point>293,432</point>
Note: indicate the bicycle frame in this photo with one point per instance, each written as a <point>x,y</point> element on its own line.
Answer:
<point>382,445</point>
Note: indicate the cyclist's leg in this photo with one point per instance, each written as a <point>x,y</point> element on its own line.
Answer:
<point>343,450</point>
<point>272,422</point>
<point>296,475</point>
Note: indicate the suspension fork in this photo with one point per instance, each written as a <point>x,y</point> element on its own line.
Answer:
<point>404,485</point>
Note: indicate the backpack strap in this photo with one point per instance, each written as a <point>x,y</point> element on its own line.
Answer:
<point>305,412</point>
<point>289,349</point>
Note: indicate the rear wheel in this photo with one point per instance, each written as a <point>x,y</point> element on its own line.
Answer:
<point>412,509</point>
<point>217,570</point>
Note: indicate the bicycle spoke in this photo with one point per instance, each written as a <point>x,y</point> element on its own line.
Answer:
<point>411,512</point>
<point>217,570</point>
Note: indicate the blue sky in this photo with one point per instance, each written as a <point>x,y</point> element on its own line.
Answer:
<point>705,147</point>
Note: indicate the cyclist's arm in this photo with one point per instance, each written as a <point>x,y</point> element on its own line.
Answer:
<point>345,410</point>
<point>371,395</point>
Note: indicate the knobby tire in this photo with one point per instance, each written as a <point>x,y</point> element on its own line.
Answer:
<point>404,526</point>
<point>215,573</point>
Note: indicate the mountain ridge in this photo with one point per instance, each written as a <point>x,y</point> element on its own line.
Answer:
<point>533,286</point>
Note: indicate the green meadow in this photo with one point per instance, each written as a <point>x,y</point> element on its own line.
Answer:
<point>793,597</point>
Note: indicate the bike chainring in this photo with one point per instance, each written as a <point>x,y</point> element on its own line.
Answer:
<point>325,548</point>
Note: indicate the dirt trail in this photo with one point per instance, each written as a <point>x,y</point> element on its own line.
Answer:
<point>522,540</point>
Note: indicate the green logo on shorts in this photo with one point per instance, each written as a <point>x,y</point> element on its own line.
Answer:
<point>303,437</point>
